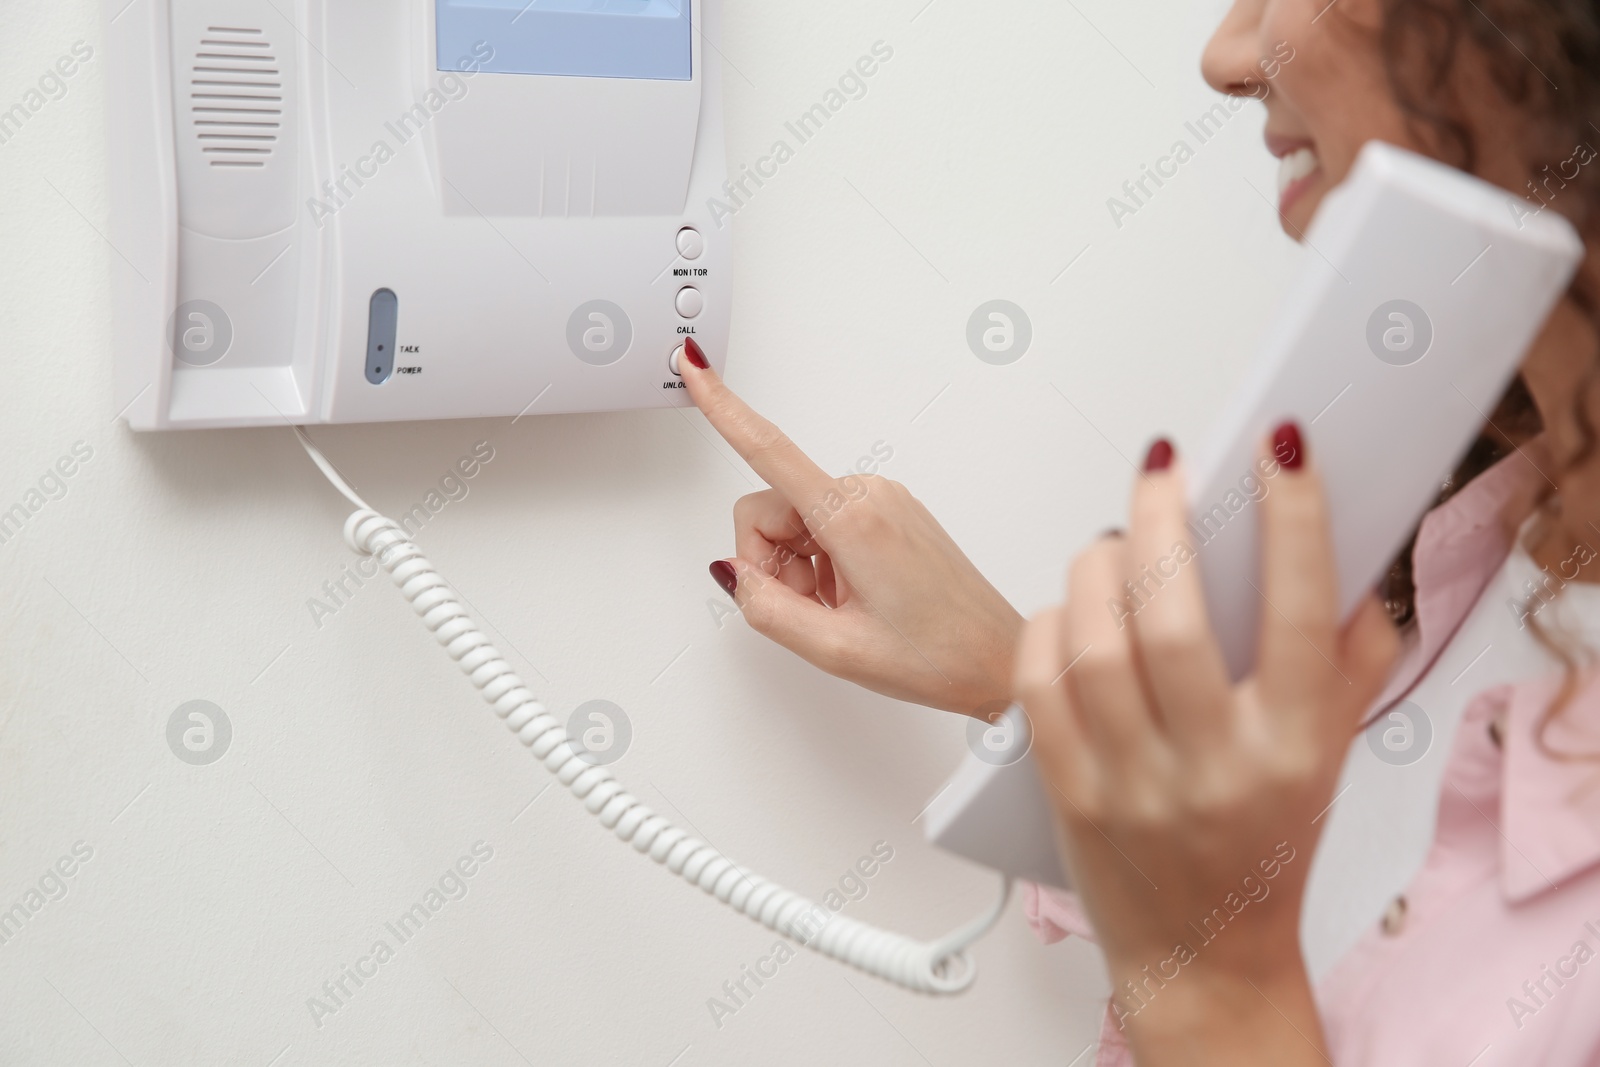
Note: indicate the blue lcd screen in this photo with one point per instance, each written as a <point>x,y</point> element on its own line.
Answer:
<point>578,38</point>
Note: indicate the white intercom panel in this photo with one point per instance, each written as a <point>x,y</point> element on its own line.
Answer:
<point>366,210</point>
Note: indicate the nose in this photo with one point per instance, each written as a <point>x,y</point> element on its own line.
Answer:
<point>1229,63</point>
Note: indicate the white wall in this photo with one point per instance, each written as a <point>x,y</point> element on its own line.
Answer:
<point>219,898</point>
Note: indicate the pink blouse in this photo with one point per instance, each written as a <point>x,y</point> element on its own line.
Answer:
<point>1491,957</point>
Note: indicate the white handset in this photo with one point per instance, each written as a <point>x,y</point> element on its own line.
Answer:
<point>1425,289</point>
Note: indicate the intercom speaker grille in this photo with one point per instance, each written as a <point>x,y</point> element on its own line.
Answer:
<point>236,97</point>
<point>235,89</point>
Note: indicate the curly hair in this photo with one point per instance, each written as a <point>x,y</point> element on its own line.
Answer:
<point>1543,58</point>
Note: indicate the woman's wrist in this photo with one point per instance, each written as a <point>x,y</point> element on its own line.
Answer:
<point>993,692</point>
<point>1202,1016</point>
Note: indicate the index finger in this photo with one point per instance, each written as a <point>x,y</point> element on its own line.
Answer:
<point>770,453</point>
<point>1300,620</point>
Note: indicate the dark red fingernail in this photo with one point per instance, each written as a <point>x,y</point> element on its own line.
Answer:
<point>1159,458</point>
<point>726,576</point>
<point>1288,446</point>
<point>698,358</point>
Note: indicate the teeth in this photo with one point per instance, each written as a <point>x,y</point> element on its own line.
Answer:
<point>1296,165</point>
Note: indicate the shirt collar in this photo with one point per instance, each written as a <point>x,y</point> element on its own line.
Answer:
<point>1549,818</point>
<point>1460,545</point>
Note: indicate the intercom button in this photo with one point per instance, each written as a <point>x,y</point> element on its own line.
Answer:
<point>690,302</point>
<point>691,245</point>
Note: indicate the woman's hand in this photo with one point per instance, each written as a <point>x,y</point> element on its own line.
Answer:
<point>1189,806</point>
<point>855,575</point>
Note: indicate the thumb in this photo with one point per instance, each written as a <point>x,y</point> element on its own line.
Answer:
<point>778,612</point>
